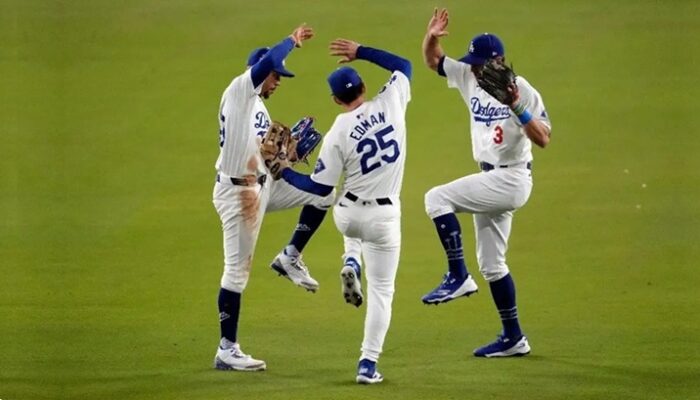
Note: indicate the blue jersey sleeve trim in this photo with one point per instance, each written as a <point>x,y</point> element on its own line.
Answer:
<point>262,68</point>
<point>305,183</point>
<point>441,67</point>
<point>385,60</point>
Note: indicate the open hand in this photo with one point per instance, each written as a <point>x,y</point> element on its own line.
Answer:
<point>346,49</point>
<point>438,23</point>
<point>301,33</point>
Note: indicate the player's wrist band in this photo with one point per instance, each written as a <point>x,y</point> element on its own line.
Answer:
<point>523,115</point>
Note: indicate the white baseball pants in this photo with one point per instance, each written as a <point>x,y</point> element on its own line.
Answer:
<point>492,197</point>
<point>373,232</point>
<point>241,210</point>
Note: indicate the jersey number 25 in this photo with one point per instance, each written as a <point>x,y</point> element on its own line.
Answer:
<point>388,150</point>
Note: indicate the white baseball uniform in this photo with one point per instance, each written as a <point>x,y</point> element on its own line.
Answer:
<point>499,139</point>
<point>368,146</point>
<point>243,121</point>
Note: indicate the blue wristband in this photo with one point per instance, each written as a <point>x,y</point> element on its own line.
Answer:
<point>525,117</point>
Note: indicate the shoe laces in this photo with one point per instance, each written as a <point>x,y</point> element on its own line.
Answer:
<point>503,338</point>
<point>238,353</point>
<point>235,351</point>
<point>298,263</point>
<point>448,279</point>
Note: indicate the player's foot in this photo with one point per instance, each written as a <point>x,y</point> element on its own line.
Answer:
<point>505,347</point>
<point>295,270</point>
<point>367,372</point>
<point>350,279</point>
<point>233,358</point>
<point>451,288</point>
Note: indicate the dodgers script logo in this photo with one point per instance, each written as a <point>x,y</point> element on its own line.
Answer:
<point>262,123</point>
<point>487,113</point>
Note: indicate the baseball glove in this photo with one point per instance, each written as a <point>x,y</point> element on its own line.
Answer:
<point>304,139</point>
<point>496,79</point>
<point>273,148</point>
<point>282,147</point>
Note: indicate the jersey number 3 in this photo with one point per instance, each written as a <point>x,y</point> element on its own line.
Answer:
<point>498,135</point>
<point>388,150</point>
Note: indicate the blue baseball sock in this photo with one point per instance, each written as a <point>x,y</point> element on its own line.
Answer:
<point>503,292</point>
<point>229,308</point>
<point>309,220</point>
<point>451,238</point>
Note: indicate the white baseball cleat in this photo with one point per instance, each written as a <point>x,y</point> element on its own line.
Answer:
<point>295,270</point>
<point>351,285</point>
<point>235,359</point>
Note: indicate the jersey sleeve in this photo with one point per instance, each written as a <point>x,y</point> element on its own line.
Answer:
<point>458,73</point>
<point>242,86</point>
<point>533,101</point>
<point>398,87</point>
<point>329,165</point>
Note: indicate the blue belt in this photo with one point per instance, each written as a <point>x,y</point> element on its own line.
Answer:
<point>488,167</point>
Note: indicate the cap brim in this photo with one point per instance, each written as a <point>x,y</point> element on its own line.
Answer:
<point>471,59</point>
<point>284,72</point>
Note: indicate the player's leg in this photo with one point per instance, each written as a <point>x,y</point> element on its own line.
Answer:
<point>468,194</point>
<point>492,233</point>
<point>351,272</point>
<point>289,262</point>
<point>241,214</point>
<point>381,252</point>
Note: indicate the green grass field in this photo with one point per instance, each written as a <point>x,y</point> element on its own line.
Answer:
<point>110,249</point>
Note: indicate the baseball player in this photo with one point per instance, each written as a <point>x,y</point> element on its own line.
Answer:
<point>367,145</point>
<point>243,192</point>
<point>501,135</point>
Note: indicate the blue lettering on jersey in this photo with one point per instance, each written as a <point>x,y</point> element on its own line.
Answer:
<point>222,130</point>
<point>366,124</point>
<point>261,123</point>
<point>488,113</point>
<point>320,166</point>
<point>544,114</point>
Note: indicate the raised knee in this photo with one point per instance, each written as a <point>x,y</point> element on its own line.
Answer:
<point>436,204</point>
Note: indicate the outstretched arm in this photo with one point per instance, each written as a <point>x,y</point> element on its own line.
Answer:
<point>349,51</point>
<point>432,51</point>
<point>305,183</point>
<point>279,52</point>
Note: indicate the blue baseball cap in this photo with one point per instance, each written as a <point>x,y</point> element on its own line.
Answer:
<point>257,54</point>
<point>342,79</point>
<point>483,47</point>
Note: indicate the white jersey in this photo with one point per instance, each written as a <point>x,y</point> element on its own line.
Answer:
<point>498,137</point>
<point>368,144</point>
<point>243,121</point>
